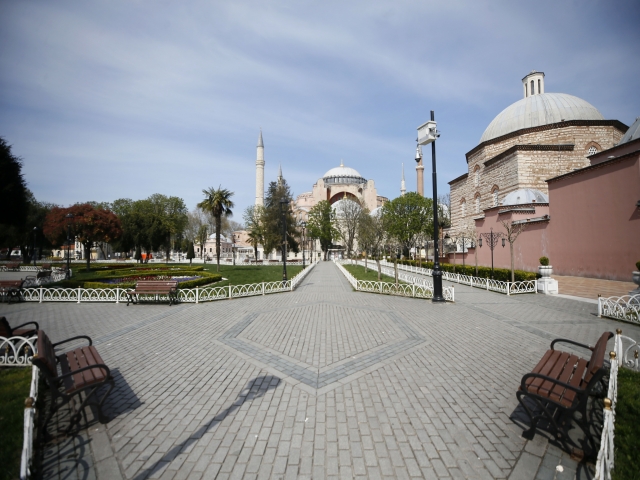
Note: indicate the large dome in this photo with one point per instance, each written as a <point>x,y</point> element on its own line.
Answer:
<point>541,109</point>
<point>343,175</point>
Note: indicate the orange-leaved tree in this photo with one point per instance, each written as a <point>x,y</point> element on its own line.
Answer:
<point>88,225</point>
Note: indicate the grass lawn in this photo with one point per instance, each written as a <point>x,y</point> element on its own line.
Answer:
<point>251,274</point>
<point>627,436</point>
<point>14,389</point>
<point>372,273</point>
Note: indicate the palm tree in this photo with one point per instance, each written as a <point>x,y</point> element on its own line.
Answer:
<point>217,203</point>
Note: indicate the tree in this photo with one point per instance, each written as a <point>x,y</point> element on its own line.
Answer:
<point>89,226</point>
<point>191,254</point>
<point>347,215</point>
<point>408,217</point>
<point>321,225</point>
<point>14,196</point>
<point>218,203</point>
<point>202,236</point>
<point>513,232</point>
<point>371,236</point>
<point>272,218</point>
<point>254,219</point>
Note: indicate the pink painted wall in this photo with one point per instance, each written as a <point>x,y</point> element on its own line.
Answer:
<point>595,223</point>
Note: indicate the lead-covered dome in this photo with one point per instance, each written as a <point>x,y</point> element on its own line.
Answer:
<point>342,175</point>
<point>633,133</point>
<point>525,196</point>
<point>540,109</point>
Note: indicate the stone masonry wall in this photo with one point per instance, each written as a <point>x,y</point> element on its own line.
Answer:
<point>526,169</point>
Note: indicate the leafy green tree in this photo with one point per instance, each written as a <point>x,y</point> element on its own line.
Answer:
<point>203,234</point>
<point>254,219</point>
<point>407,217</point>
<point>321,225</point>
<point>371,236</point>
<point>14,196</point>
<point>347,216</point>
<point>89,225</point>
<point>218,203</point>
<point>272,218</point>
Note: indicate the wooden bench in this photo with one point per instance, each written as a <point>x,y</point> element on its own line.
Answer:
<point>45,266</point>
<point>79,372</point>
<point>12,289</point>
<point>155,288</point>
<point>13,266</point>
<point>561,383</point>
<point>39,278</point>
<point>7,331</point>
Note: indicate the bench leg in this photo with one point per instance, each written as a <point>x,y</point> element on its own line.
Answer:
<point>530,433</point>
<point>89,400</point>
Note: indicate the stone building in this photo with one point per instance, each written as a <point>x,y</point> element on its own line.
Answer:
<point>541,136</point>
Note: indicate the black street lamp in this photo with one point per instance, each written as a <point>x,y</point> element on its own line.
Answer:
<point>69,218</point>
<point>35,232</point>
<point>492,239</point>
<point>427,134</point>
<point>303,224</point>
<point>284,202</point>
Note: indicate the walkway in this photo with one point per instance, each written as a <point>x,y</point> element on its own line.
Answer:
<point>592,287</point>
<point>323,382</point>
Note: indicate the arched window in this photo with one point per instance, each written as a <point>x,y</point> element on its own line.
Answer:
<point>592,151</point>
<point>495,197</point>
<point>463,208</point>
<point>478,204</point>
<point>533,90</point>
<point>539,86</point>
<point>526,90</point>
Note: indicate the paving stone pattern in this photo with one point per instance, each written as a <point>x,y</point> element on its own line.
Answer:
<point>322,382</point>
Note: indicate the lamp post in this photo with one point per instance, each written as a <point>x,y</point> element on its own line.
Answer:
<point>284,202</point>
<point>427,134</point>
<point>69,218</point>
<point>35,232</point>
<point>492,239</point>
<point>303,224</point>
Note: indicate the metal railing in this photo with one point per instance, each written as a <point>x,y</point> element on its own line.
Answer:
<point>415,287</point>
<point>29,425</point>
<point>626,308</point>
<point>620,356</point>
<point>508,288</point>
<point>186,295</point>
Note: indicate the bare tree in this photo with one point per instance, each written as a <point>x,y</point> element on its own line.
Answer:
<point>347,216</point>
<point>513,232</point>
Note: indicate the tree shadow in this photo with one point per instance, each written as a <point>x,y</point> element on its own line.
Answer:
<point>256,388</point>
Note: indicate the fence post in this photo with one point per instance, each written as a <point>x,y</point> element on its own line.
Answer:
<point>262,288</point>
<point>79,295</point>
<point>508,285</point>
<point>197,293</point>
<point>413,285</point>
<point>117,295</point>
<point>40,294</point>
<point>471,281</point>
<point>487,284</point>
<point>229,290</point>
<point>599,305</point>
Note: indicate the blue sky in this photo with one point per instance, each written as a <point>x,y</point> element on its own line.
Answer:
<point>112,99</point>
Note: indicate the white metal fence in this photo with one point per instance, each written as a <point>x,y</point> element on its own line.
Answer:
<point>185,295</point>
<point>509,288</point>
<point>621,356</point>
<point>17,351</point>
<point>29,426</point>
<point>415,287</point>
<point>625,308</point>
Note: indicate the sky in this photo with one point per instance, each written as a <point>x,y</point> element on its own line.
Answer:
<point>122,99</point>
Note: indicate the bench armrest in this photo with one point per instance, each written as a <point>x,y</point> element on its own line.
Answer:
<point>28,323</point>
<point>73,338</point>
<point>101,366</point>
<point>555,381</point>
<point>564,340</point>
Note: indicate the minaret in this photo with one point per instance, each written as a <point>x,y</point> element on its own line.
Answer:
<point>420,171</point>
<point>403,188</point>
<point>260,172</point>
<point>280,175</point>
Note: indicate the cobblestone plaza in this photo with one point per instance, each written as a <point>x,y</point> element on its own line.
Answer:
<point>322,382</point>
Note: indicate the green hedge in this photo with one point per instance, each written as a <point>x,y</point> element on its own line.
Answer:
<point>502,274</point>
<point>151,270</point>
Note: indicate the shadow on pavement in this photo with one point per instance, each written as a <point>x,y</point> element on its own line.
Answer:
<point>256,388</point>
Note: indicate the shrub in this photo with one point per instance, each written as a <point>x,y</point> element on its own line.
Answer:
<point>129,279</point>
<point>638,265</point>
<point>502,274</point>
<point>544,261</point>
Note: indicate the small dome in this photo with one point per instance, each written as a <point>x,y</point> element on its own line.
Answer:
<point>537,110</point>
<point>633,133</point>
<point>525,196</point>
<point>376,211</point>
<point>344,175</point>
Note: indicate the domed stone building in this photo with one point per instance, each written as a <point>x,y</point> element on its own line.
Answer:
<point>539,137</point>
